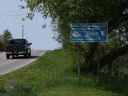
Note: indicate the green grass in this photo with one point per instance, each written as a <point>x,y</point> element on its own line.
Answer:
<point>51,75</point>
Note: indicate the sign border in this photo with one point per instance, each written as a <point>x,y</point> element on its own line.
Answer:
<point>89,40</point>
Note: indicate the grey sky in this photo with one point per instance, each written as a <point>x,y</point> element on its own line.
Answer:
<point>10,18</point>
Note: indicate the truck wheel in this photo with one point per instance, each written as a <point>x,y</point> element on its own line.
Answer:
<point>29,54</point>
<point>25,55</point>
<point>7,56</point>
<point>13,56</point>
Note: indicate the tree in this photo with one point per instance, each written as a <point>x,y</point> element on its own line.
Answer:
<point>4,38</point>
<point>65,12</point>
<point>1,43</point>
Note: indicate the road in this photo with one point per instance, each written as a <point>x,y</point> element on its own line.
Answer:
<point>8,65</point>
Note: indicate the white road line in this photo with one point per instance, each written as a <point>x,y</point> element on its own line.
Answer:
<point>18,67</point>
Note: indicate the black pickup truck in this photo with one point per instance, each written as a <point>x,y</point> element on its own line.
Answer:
<point>16,47</point>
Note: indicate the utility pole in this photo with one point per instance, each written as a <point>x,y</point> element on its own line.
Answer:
<point>22,31</point>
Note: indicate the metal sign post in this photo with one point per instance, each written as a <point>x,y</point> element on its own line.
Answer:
<point>78,62</point>
<point>98,62</point>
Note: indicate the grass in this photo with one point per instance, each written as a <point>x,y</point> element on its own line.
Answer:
<point>51,75</point>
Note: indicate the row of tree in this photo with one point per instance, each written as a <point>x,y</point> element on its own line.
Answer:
<point>112,12</point>
<point>4,38</point>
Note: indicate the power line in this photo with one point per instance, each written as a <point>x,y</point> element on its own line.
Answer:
<point>6,6</point>
<point>3,21</point>
<point>14,14</point>
<point>7,3</point>
<point>1,14</point>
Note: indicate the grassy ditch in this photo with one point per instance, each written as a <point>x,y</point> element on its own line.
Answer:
<point>51,75</point>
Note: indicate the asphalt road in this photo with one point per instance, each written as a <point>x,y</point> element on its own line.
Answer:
<point>8,65</point>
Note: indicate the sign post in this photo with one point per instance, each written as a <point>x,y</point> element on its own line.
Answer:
<point>91,32</point>
<point>78,63</point>
<point>98,51</point>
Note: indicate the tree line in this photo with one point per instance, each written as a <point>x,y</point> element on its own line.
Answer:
<point>4,38</point>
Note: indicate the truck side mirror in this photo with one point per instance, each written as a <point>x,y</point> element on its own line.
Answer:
<point>29,43</point>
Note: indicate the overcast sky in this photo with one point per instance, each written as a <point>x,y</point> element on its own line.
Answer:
<point>10,18</point>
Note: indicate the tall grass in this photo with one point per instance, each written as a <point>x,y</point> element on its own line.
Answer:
<point>51,75</point>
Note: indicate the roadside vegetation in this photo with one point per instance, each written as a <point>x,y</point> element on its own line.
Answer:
<point>4,38</point>
<point>54,74</point>
<point>113,54</point>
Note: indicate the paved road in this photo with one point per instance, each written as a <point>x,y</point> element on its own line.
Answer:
<point>9,65</point>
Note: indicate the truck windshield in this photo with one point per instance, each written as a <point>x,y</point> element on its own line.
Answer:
<point>17,41</point>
